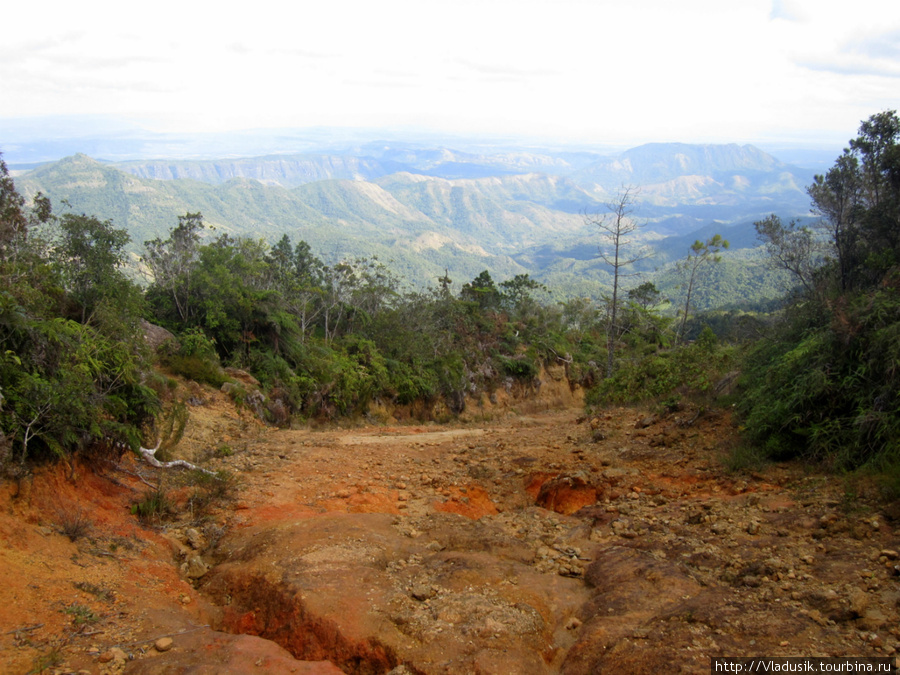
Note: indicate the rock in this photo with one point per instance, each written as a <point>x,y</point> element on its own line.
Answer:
<point>816,616</point>
<point>194,567</point>
<point>422,592</point>
<point>753,527</point>
<point>719,527</point>
<point>859,601</point>
<point>156,336</point>
<point>195,539</point>
<point>645,422</point>
<point>115,654</point>
<point>163,644</point>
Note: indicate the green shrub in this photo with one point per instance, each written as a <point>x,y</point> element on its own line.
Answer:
<point>211,489</point>
<point>198,369</point>
<point>154,506</point>
<point>827,391</point>
<point>520,367</point>
<point>691,369</point>
<point>81,614</point>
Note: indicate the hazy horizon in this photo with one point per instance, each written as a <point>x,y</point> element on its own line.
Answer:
<point>33,141</point>
<point>574,72</point>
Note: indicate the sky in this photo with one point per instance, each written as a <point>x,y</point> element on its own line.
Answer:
<point>594,71</point>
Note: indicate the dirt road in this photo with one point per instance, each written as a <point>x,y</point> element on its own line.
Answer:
<point>526,543</point>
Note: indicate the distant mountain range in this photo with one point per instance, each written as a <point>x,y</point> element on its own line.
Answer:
<point>427,209</point>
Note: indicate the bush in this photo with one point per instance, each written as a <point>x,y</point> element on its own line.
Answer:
<point>825,386</point>
<point>73,522</point>
<point>154,506</point>
<point>520,367</point>
<point>690,369</point>
<point>198,369</point>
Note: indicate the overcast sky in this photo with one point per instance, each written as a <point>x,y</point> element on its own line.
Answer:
<point>608,71</point>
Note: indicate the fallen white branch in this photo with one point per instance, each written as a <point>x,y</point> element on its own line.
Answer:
<point>149,454</point>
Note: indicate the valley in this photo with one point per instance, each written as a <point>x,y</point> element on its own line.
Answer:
<point>424,210</point>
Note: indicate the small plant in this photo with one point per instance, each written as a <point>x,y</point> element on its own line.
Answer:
<point>154,506</point>
<point>97,591</point>
<point>52,659</point>
<point>670,404</point>
<point>744,456</point>
<point>224,450</point>
<point>198,369</point>
<point>81,614</point>
<point>73,523</point>
<point>211,489</point>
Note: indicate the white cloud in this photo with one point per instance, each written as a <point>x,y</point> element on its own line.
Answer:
<point>601,70</point>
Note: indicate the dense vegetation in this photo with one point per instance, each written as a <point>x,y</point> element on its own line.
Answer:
<point>324,340</point>
<point>825,384</point>
<point>73,367</point>
<point>820,371</point>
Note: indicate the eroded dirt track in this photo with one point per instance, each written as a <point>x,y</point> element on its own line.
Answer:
<point>528,544</point>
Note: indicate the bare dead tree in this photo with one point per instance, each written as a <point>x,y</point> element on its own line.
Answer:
<point>616,228</point>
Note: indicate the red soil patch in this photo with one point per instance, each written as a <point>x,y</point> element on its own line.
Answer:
<point>472,502</point>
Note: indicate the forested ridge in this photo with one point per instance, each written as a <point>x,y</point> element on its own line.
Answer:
<point>819,372</point>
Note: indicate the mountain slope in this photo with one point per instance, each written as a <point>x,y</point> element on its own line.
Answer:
<point>284,170</point>
<point>510,224</point>
<point>672,174</point>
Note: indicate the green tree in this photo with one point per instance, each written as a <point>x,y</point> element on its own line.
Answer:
<point>517,294</point>
<point>91,257</point>
<point>645,296</point>
<point>482,291</point>
<point>13,219</point>
<point>171,264</point>
<point>859,206</point>
<point>700,254</point>
<point>297,277</point>
<point>793,248</point>
<point>824,381</point>
<point>67,384</point>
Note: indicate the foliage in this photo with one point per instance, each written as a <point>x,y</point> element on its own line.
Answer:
<point>828,390</point>
<point>209,490</point>
<point>690,369</point>
<point>700,255</point>
<point>71,356</point>
<point>73,523</point>
<point>81,614</point>
<point>825,383</point>
<point>154,506</point>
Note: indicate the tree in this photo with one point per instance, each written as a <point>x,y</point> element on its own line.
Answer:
<point>835,198</point>
<point>616,228</point>
<point>172,263</point>
<point>91,255</point>
<point>700,254</point>
<point>13,220</point>
<point>645,296</point>
<point>516,293</point>
<point>482,291</point>
<point>297,277</point>
<point>824,381</point>
<point>858,200</point>
<point>792,247</point>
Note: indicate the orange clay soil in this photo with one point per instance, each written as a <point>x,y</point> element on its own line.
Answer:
<point>521,539</point>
